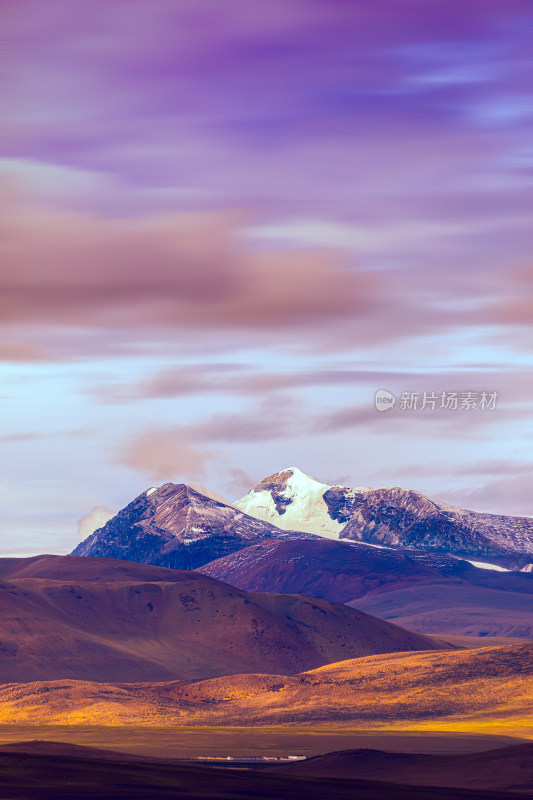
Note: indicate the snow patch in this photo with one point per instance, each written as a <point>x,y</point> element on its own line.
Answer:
<point>151,491</point>
<point>367,544</point>
<point>307,512</point>
<point>484,565</point>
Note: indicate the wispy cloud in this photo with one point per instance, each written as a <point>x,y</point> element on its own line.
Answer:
<point>328,197</point>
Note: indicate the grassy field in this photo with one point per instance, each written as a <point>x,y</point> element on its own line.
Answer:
<point>190,742</point>
<point>521,728</point>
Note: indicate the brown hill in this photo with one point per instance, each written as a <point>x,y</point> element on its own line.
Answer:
<point>489,688</point>
<point>319,567</point>
<point>423,592</point>
<point>41,747</point>
<point>508,768</point>
<point>106,620</point>
<point>73,568</point>
<point>41,777</point>
<point>455,607</point>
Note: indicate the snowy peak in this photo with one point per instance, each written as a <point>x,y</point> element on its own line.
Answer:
<point>295,501</point>
<point>175,525</point>
<point>389,517</point>
<point>177,492</point>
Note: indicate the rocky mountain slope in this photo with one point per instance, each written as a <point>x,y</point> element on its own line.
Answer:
<point>402,518</point>
<point>176,526</point>
<point>338,571</point>
<point>426,592</point>
<point>106,620</point>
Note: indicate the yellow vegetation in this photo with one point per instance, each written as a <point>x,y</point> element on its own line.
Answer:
<point>486,690</point>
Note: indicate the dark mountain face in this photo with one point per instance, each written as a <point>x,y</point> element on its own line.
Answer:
<point>276,484</point>
<point>397,517</point>
<point>176,526</point>
<point>426,592</point>
<point>343,502</point>
<point>292,500</point>
<point>338,571</point>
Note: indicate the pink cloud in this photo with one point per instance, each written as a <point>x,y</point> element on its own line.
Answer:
<point>238,482</point>
<point>147,278</point>
<point>174,270</point>
<point>505,495</point>
<point>165,455</point>
<point>516,304</point>
<point>23,351</point>
<point>94,519</point>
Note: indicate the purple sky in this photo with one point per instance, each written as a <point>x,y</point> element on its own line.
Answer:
<point>229,224</point>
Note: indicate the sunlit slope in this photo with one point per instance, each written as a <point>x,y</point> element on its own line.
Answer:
<point>491,688</point>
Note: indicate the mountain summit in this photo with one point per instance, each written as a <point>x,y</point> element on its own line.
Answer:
<point>389,517</point>
<point>293,500</point>
<point>176,526</point>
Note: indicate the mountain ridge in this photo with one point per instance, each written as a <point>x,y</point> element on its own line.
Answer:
<point>176,526</point>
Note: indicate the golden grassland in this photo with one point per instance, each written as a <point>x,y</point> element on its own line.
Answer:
<point>487,690</point>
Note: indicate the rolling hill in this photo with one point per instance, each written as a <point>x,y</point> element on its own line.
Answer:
<point>90,777</point>
<point>107,620</point>
<point>425,592</point>
<point>488,689</point>
<point>507,768</point>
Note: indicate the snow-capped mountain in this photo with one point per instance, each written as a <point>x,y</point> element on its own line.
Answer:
<point>389,517</point>
<point>176,526</point>
<point>292,500</point>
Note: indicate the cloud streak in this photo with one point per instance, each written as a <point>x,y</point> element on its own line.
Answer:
<point>176,270</point>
